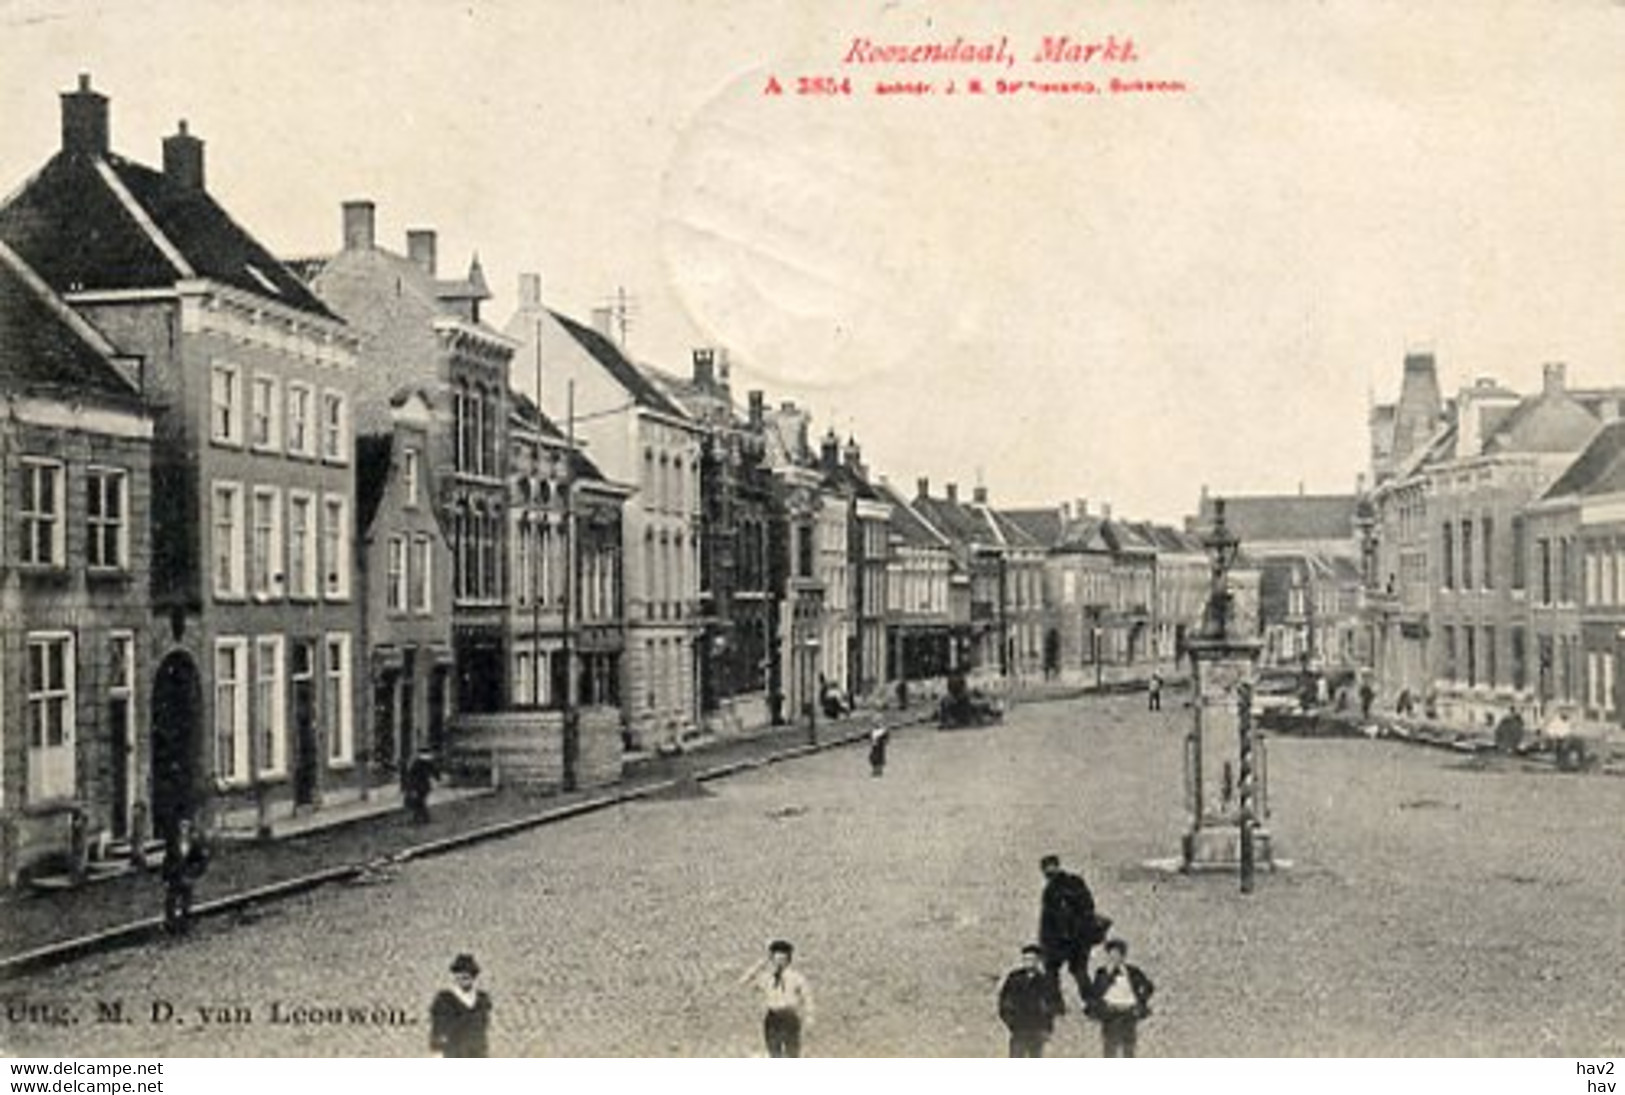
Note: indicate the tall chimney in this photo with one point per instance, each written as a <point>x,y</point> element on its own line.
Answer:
<point>758,409</point>
<point>980,496</point>
<point>705,368</point>
<point>85,120</point>
<point>183,159</point>
<point>421,247</point>
<point>1082,507</point>
<point>952,490</point>
<point>922,487</point>
<point>530,290</point>
<point>360,226</point>
<point>1552,377</point>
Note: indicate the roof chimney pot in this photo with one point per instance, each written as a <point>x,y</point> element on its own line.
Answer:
<point>360,224</point>
<point>85,125</point>
<point>422,247</point>
<point>183,158</point>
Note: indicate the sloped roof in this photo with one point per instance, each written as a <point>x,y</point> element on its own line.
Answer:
<point>641,388</point>
<point>1125,536</point>
<point>908,523</point>
<point>1549,422</point>
<point>845,477</point>
<point>1085,533</point>
<point>1013,533</point>
<point>1600,469</point>
<point>103,222</point>
<point>1043,525</point>
<point>956,520</point>
<point>47,351</point>
<point>526,410</point>
<point>1270,518</point>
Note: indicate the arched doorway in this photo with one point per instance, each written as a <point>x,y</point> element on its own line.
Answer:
<point>177,712</point>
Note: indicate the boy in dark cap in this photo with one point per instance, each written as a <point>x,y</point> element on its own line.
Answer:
<point>460,1016</point>
<point>1122,997</point>
<point>788,999</point>
<point>1029,1001</point>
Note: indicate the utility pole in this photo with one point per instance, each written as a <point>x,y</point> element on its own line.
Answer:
<point>572,732</point>
<point>534,550</point>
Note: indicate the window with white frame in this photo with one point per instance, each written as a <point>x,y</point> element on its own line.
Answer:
<point>230,565</point>
<point>396,591</point>
<point>335,428</point>
<point>301,427</point>
<point>409,478</point>
<point>336,546</point>
<point>50,694</point>
<point>106,505</point>
<point>265,555</point>
<point>40,516</point>
<point>231,709</point>
<point>302,550</point>
<point>523,690</point>
<point>226,404</point>
<point>270,708</point>
<point>423,575</point>
<point>265,413</point>
<point>336,666</point>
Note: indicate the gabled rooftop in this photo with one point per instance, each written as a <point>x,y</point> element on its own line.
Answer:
<point>628,375</point>
<point>1276,518</point>
<point>93,220</point>
<point>1599,469</point>
<point>49,351</point>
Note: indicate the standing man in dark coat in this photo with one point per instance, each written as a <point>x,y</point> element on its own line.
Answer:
<point>186,857</point>
<point>1067,926</point>
<point>419,784</point>
<point>460,1016</point>
<point>1029,1003</point>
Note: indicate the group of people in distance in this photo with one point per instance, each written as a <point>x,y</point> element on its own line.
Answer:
<point>1117,996</point>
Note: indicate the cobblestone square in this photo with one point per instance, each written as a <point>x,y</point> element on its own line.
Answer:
<point>1436,905</point>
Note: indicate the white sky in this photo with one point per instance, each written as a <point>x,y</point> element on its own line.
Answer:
<point>1118,299</point>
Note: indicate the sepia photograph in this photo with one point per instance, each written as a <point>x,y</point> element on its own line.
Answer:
<point>746,529</point>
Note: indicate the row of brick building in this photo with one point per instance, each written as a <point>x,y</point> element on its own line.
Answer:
<point>1494,548</point>
<point>273,528</point>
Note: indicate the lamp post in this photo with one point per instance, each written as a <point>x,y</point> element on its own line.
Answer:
<point>1222,664</point>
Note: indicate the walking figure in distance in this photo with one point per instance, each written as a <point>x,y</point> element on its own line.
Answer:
<point>1067,925</point>
<point>419,783</point>
<point>1029,1001</point>
<point>460,1015</point>
<point>1122,997</point>
<point>1153,692</point>
<point>787,997</point>
<point>186,857</point>
<point>877,750</point>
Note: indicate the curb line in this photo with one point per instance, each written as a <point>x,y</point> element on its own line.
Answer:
<point>141,931</point>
